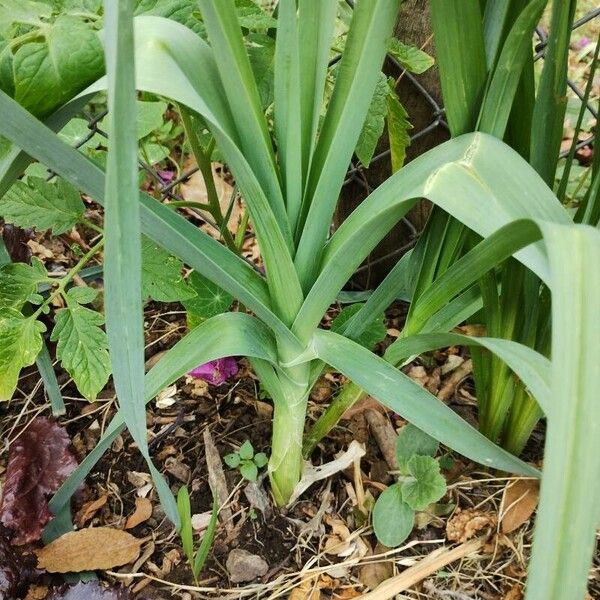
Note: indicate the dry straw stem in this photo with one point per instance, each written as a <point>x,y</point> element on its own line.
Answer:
<point>424,568</point>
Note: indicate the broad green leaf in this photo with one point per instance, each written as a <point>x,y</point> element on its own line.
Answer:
<point>371,335</point>
<point>410,58</point>
<point>25,12</point>
<point>18,282</point>
<point>82,345</point>
<point>393,519</point>
<point>428,485</point>
<point>374,123</point>
<point>260,459</point>
<point>246,450</point>
<point>398,126</point>
<point>48,73</point>
<point>261,52</point>
<point>41,205</point>
<point>149,118</point>
<point>185,12</point>
<point>77,130</point>
<point>414,442</point>
<point>249,470</point>
<point>20,343</point>
<point>162,278</point>
<point>210,300</point>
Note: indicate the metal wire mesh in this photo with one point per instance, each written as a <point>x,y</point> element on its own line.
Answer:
<point>357,173</point>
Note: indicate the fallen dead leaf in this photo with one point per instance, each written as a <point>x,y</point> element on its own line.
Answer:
<point>143,511</point>
<point>89,509</point>
<point>37,592</point>
<point>466,523</point>
<point>372,574</point>
<point>515,592</point>
<point>519,500</point>
<point>88,550</point>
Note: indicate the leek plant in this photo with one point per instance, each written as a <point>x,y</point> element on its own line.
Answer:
<point>290,182</point>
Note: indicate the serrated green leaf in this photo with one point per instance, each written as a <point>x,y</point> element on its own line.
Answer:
<point>41,205</point>
<point>20,343</point>
<point>393,519</point>
<point>252,16</point>
<point>411,442</point>
<point>246,450</point>
<point>82,295</point>
<point>82,347</point>
<point>232,460</point>
<point>260,459</point>
<point>374,333</point>
<point>428,485</point>
<point>18,282</point>
<point>410,58</point>
<point>374,123</point>
<point>249,470</point>
<point>162,278</point>
<point>210,300</point>
<point>398,127</point>
<point>48,73</point>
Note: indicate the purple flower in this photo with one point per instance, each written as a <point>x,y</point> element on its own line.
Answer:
<point>166,176</point>
<point>217,371</point>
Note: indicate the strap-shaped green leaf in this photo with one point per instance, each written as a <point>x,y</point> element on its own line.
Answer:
<point>231,334</point>
<point>123,252</point>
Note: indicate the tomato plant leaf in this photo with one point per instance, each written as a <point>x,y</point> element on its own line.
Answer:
<point>410,58</point>
<point>162,278</point>
<point>82,344</point>
<point>39,460</point>
<point>393,519</point>
<point>41,205</point>
<point>20,343</point>
<point>374,123</point>
<point>398,127</point>
<point>428,485</point>
<point>19,281</point>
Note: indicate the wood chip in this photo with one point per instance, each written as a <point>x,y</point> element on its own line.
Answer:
<point>143,511</point>
<point>519,500</point>
<point>88,550</point>
<point>385,436</point>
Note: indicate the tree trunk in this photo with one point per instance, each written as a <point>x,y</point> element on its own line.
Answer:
<point>421,96</point>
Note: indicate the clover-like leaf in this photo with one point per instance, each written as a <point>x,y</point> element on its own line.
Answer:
<point>20,343</point>
<point>208,301</point>
<point>411,442</point>
<point>260,459</point>
<point>162,277</point>
<point>18,282</point>
<point>249,470</point>
<point>374,333</point>
<point>246,450</point>
<point>428,485</point>
<point>232,460</point>
<point>82,345</point>
<point>39,460</point>
<point>393,519</point>
<point>41,205</point>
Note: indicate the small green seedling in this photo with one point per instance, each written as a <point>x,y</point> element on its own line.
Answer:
<point>246,461</point>
<point>420,484</point>
<point>196,559</point>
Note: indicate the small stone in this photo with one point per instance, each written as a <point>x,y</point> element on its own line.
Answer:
<point>244,566</point>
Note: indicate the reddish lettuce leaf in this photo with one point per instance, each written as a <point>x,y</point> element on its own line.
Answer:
<point>15,572</point>
<point>39,460</point>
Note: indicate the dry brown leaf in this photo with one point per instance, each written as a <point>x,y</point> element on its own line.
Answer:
<point>372,574</point>
<point>466,523</point>
<point>515,592</point>
<point>89,509</point>
<point>309,589</point>
<point>37,592</point>
<point>143,511</point>
<point>88,550</point>
<point>519,500</point>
